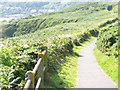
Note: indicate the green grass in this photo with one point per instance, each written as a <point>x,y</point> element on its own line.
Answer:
<point>109,64</point>
<point>78,14</point>
<point>66,77</point>
<point>59,34</point>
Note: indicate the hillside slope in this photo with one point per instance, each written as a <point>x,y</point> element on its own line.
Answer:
<point>76,14</point>
<point>25,38</point>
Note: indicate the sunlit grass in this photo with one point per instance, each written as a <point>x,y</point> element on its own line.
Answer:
<point>108,63</point>
<point>66,78</point>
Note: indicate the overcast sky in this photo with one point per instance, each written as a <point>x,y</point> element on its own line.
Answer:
<point>38,0</point>
<point>56,0</point>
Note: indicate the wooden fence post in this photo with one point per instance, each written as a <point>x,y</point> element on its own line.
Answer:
<point>36,77</point>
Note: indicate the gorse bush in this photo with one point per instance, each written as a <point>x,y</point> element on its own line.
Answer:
<point>109,8</point>
<point>108,40</point>
<point>7,57</point>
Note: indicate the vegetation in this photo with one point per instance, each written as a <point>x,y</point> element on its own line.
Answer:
<point>106,51</point>
<point>110,62</point>
<point>60,32</point>
<point>108,40</point>
<point>66,74</point>
<point>76,14</point>
<point>66,77</point>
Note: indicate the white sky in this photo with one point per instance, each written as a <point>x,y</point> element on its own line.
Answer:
<point>38,0</point>
<point>56,0</point>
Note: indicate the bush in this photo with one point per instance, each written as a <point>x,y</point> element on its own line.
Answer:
<point>109,8</point>
<point>107,41</point>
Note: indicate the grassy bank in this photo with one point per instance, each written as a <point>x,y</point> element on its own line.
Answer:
<point>109,64</point>
<point>66,77</point>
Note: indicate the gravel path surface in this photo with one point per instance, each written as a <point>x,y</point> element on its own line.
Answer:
<point>90,75</point>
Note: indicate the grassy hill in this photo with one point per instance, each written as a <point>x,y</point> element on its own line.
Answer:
<point>24,38</point>
<point>75,14</point>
